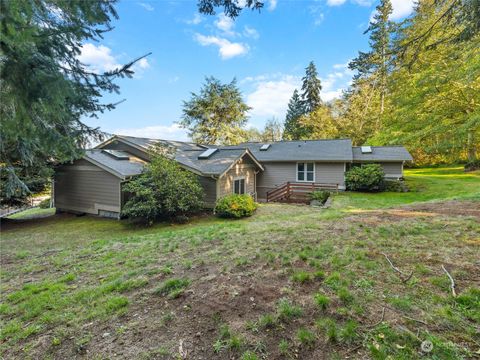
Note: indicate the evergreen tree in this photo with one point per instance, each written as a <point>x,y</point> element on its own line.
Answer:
<point>311,88</point>
<point>376,63</point>
<point>294,111</point>
<point>46,92</point>
<point>217,115</point>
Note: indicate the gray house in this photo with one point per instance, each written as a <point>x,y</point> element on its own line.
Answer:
<point>94,183</point>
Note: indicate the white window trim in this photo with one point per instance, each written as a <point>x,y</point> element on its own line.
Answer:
<point>305,171</point>
<point>244,184</point>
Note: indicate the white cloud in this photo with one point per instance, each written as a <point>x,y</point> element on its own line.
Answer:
<point>173,79</point>
<point>146,6</point>
<point>271,94</point>
<point>401,8</point>
<point>226,48</point>
<point>250,32</point>
<point>317,14</point>
<point>335,2</point>
<point>335,82</point>
<point>172,132</point>
<point>98,58</point>
<point>225,24</point>
<point>272,4</point>
<point>143,63</point>
<point>197,19</point>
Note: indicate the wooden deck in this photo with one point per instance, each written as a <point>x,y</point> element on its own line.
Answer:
<point>297,192</point>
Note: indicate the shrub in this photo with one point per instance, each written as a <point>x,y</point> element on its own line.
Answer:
<point>320,196</point>
<point>164,190</point>
<point>365,178</point>
<point>44,204</point>
<point>395,186</point>
<point>235,206</point>
<point>472,165</point>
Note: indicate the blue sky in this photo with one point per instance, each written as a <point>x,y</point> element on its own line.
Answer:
<point>266,52</point>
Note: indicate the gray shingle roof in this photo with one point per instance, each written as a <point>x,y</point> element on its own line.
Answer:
<point>122,168</point>
<point>310,150</point>
<point>382,153</point>
<point>147,143</point>
<point>216,164</point>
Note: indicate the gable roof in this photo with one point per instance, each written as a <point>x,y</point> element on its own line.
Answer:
<point>299,150</point>
<point>117,167</point>
<point>382,153</point>
<point>186,154</point>
<point>217,164</point>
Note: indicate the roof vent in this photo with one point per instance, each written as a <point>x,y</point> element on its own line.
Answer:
<point>207,153</point>
<point>366,149</point>
<point>265,147</point>
<point>117,154</point>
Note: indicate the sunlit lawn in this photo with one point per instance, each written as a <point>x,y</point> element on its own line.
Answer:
<point>426,184</point>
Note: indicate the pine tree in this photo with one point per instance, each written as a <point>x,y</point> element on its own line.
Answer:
<point>311,88</point>
<point>294,111</point>
<point>376,63</point>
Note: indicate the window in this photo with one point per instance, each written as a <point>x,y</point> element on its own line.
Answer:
<point>306,171</point>
<point>239,186</point>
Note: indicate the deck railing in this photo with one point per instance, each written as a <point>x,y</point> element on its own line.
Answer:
<point>297,192</point>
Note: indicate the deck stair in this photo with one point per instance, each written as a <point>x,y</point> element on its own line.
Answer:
<point>297,192</point>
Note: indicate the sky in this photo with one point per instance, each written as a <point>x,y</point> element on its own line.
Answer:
<point>266,52</point>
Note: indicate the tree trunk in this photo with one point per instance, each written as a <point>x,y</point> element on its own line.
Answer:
<point>471,149</point>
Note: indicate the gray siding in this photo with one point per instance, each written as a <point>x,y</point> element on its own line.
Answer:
<point>278,173</point>
<point>393,169</point>
<point>84,187</point>
<point>209,186</point>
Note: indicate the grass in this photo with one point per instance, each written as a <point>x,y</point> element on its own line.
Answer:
<point>251,288</point>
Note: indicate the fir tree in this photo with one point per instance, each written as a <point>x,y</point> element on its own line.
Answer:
<point>294,111</point>
<point>217,115</point>
<point>311,88</point>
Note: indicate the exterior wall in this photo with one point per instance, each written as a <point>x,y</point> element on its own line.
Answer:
<point>243,168</point>
<point>278,173</point>
<point>393,169</point>
<point>84,187</point>
<point>209,186</point>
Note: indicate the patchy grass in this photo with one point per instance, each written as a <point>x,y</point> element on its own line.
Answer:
<point>291,281</point>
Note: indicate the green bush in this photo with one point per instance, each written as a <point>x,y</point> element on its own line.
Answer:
<point>235,206</point>
<point>44,204</point>
<point>365,178</point>
<point>320,195</point>
<point>395,186</point>
<point>164,190</point>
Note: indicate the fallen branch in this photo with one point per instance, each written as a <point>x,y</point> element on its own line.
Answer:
<point>452,282</point>
<point>404,277</point>
<point>381,319</point>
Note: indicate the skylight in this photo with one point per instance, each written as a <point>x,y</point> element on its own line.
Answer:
<point>264,147</point>
<point>117,154</point>
<point>366,149</point>
<point>207,153</point>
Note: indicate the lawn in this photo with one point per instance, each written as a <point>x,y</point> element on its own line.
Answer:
<point>290,282</point>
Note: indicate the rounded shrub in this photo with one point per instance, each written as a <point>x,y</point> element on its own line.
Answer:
<point>235,206</point>
<point>365,178</point>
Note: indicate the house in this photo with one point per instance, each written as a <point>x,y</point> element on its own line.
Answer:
<point>93,184</point>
